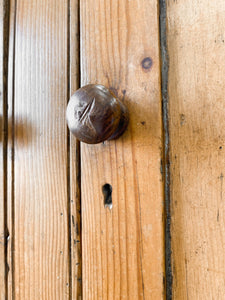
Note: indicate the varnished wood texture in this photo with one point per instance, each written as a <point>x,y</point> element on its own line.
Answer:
<point>196,47</point>
<point>40,237</point>
<point>123,255</point>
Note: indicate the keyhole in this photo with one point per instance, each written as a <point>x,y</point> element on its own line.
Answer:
<point>107,193</point>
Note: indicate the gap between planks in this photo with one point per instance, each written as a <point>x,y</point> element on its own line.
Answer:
<point>74,164</point>
<point>166,144</point>
<point>4,136</point>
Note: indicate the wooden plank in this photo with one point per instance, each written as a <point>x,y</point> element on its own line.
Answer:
<point>4,10</point>
<point>123,249</point>
<point>40,224</point>
<point>75,205</point>
<point>196,41</point>
<point>10,153</point>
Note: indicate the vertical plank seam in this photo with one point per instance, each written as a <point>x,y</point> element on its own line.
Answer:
<point>78,162</point>
<point>166,144</point>
<point>13,157</point>
<point>79,226</point>
<point>68,158</point>
<point>78,280</point>
<point>6,12</point>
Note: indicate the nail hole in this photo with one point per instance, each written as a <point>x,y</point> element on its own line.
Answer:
<point>107,193</point>
<point>147,63</point>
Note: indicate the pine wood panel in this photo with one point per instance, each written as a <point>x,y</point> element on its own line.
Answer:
<point>123,249</point>
<point>196,48</point>
<point>40,217</point>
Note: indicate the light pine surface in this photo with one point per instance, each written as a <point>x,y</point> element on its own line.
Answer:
<point>40,254</point>
<point>196,48</point>
<point>123,248</point>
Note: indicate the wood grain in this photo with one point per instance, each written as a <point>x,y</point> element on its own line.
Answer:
<point>123,248</point>
<point>10,153</point>
<point>196,48</point>
<point>40,224</point>
<point>3,142</point>
<point>75,193</point>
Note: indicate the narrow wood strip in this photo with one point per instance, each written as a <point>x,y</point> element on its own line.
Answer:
<point>4,36</point>
<point>75,205</point>
<point>41,250</point>
<point>196,41</point>
<point>10,151</point>
<point>123,248</point>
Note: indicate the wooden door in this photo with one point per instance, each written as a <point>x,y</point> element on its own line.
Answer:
<point>164,236</point>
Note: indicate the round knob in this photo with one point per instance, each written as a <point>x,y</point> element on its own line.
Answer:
<point>95,115</point>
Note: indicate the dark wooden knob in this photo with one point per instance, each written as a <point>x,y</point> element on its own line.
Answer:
<point>95,115</point>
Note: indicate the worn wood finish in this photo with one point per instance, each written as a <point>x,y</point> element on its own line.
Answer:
<point>74,160</point>
<point>40,224</point>
<point>75,220</point>
<point>196,45</point>
<point>123,252</point>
